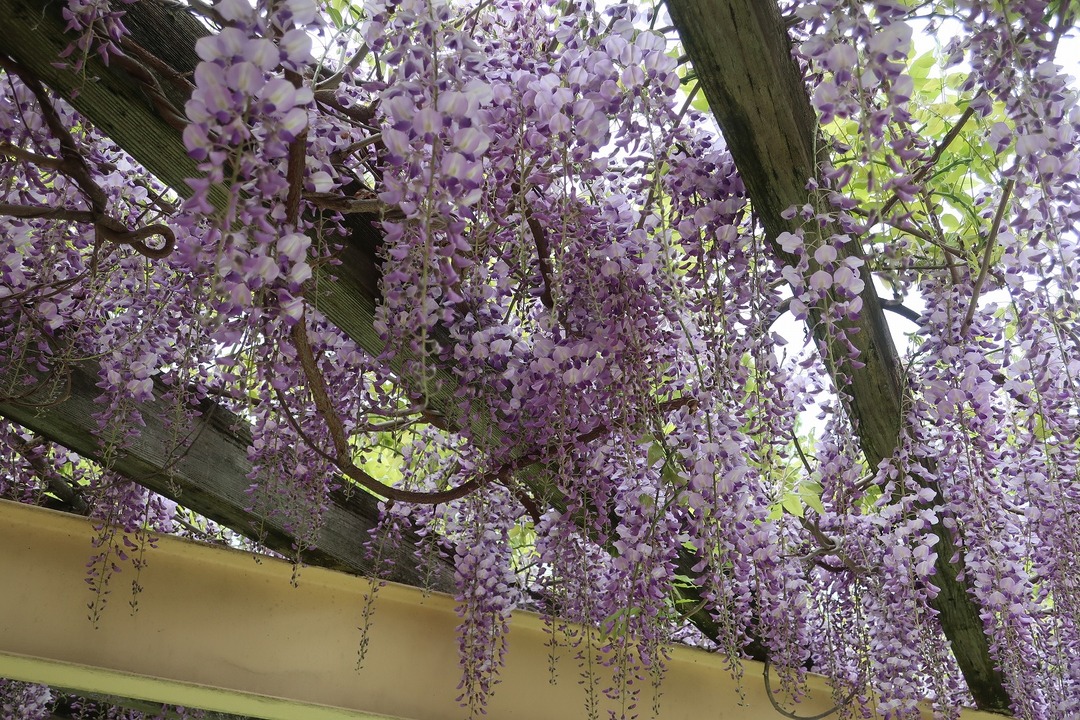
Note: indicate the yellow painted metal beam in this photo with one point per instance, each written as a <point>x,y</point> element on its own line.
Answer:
<point>217,630</point>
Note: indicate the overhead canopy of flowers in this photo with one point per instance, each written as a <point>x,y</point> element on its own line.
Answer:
<point>592,298</point>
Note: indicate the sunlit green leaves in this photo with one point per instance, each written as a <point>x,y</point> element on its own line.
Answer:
<point>343,13</point>
<point>806,493</point>
<point>942,223</point>
<point>922,67</point>
<point>382,460</point>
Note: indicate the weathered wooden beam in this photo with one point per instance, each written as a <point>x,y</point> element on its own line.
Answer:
<point>203,465</point>
<point>741,52</point>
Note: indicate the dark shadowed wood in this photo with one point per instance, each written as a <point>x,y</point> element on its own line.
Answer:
<point>65,711</point>
<point>742,55</point>
<point>203,465</point>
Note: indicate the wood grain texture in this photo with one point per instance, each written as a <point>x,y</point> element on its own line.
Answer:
<point>202,464</point>
<point>742,55</point>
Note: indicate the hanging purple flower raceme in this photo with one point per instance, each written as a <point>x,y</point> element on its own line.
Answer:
<point>1040,381</point>
<point>999,480</point>
<point>858,52</point>
<point>633,595</point>
<point>21,452</point>
<point>245,112</point>
<point>487,590</point>
<point>434,142</point>
<point>128,519</point>
<point>100,27</point>
<point>1011,49</point>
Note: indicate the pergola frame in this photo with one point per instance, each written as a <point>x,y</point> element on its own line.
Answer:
<point>217,630</point>
<point>741,53</point>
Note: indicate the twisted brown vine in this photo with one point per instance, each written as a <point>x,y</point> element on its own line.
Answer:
<point>72,164</point>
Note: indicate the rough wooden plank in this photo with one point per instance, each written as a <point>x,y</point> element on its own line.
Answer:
<point>742,55</point>
<point>33,34</point>
<point>204,466</point>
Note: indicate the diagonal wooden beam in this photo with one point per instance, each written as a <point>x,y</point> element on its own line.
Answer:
<point>742,54</point>
<point>204,466</point>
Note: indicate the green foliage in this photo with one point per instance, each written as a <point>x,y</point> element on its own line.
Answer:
<point>942,224</point>
<point>343,13</point>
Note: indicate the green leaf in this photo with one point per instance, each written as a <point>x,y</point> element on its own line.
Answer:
<point>335,16</point>
<point>810,493</point>
<point>656,454</point>
<point>672,476</point>
<point>921,67</point>
<point>935,127</point>
<point>700,102</point>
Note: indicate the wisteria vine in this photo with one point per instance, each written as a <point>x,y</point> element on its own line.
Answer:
<point>574,385</point>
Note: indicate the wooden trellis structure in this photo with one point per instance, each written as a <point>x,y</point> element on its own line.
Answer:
<point>741,53</point>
